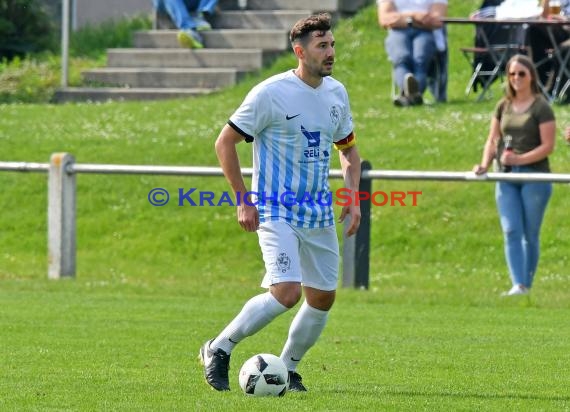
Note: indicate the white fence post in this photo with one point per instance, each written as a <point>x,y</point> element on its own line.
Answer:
<point>61,217</point>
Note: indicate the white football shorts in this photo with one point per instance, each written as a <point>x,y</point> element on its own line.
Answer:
<point>291,254</point>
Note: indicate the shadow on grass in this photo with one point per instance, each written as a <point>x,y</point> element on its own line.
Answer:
<point>456,394</point>
<point>464,395</point>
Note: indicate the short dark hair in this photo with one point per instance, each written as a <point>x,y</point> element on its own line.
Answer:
<point>317,22</point>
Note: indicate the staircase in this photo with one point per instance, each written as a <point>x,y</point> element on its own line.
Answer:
<point>242,41</point>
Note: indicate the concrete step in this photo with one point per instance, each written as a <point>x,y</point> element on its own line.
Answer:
<point>242,41</point>
<point>104,94</point>
<point>313,5</point>
<point>211,78</point>
<point>241,59</point>
<point>258,19</point>
<point>265,39</point>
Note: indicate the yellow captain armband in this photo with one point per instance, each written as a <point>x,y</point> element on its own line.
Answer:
<point>346,143</point>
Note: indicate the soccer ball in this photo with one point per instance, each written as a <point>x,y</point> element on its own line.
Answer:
<point>264,375</point>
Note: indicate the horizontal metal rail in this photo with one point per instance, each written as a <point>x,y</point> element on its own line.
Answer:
<point>466,176</point>
<point>335,173</point>
<point>62,171</point>
<point>24,167</point>
<point>151,170</point>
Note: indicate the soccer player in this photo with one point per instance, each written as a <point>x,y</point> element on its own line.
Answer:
<point>293,120</point>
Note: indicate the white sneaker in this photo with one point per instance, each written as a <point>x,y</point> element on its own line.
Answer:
<point>412,90</point>
<point>411,85</point>
<point>516,290</point>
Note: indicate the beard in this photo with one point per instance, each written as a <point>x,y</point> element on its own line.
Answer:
<point>326,68</point>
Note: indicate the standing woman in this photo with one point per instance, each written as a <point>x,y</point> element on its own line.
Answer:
<point>526,120</point>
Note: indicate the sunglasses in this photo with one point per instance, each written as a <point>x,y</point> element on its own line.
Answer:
<point>520,74</point>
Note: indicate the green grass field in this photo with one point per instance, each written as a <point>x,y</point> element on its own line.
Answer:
<point>153,283</point>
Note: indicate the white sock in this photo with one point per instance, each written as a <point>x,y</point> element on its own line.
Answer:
<point>303,333</point>
<point>255,314</point>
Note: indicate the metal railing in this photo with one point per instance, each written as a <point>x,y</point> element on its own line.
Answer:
<point>62,171</point>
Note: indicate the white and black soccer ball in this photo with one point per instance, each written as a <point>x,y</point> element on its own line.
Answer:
<point>264,375</point>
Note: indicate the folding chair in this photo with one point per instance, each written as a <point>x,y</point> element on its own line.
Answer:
<point>562,96</point>
<point>556,88</point>
<point>495,43</point>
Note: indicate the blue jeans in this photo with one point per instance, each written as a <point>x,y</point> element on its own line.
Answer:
<point>521,208</point>
<point>410,50</point>
<point>179,10</point>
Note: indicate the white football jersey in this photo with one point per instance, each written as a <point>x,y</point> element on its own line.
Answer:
<point>293,126</point>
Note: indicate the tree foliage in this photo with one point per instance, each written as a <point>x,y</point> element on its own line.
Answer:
<point>25,27</point>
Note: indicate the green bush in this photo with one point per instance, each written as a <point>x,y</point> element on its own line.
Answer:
<point>26,80</point>
<point>35,79</point>
<point>25,27</point>
<point>93,41</point>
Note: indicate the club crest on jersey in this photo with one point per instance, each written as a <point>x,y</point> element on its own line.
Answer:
<point>335,114</point>
<point>283,262</point>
